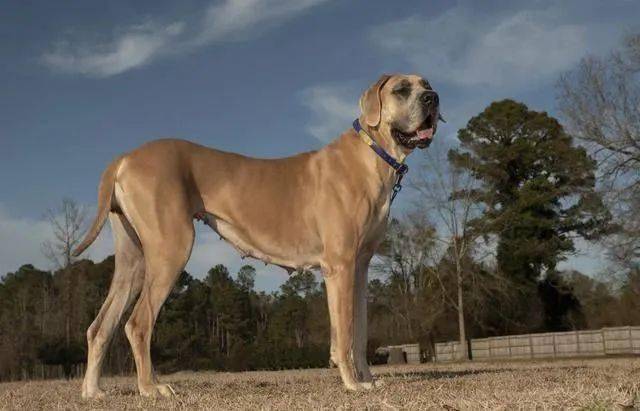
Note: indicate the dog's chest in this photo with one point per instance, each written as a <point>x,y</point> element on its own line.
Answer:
<point>374,229</point>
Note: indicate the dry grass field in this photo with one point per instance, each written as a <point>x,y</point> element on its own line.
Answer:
<point>563,384</point>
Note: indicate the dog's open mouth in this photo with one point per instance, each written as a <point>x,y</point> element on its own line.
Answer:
<point>421,137</point>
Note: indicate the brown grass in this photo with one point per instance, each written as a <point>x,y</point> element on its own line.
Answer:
<point>611,383</point>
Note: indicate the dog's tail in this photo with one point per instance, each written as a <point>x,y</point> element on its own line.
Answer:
<point>105,197</point>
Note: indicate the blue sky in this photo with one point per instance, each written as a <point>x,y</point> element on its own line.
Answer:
<point>84,82</point>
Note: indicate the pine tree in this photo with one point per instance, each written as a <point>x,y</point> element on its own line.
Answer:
<point>536,187</point>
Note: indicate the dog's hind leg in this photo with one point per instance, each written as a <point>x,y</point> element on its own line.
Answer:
<point>125,286</point>
<point>165,258</point>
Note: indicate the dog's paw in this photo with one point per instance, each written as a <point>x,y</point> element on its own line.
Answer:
<point>93,393</point>
<point>157,390</point>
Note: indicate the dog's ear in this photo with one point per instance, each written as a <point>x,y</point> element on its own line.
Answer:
<point>371,102</point>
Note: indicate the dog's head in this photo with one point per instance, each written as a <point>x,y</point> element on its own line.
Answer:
<point>404,107</point>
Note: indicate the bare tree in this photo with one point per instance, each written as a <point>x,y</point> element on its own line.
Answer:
<point>447,197</point>
<point>403,261</point>
<point>600,101</point>
<point>67,224</point>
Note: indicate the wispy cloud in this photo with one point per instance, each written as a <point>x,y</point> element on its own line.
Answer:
<point>237,19</point>
<point>467,48</point>
<point>332,107</point>
<point>136,46</point>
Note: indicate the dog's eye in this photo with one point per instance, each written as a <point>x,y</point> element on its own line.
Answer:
<point>403,91</point>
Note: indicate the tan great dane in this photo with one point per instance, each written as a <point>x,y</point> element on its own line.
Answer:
<point>326,209</point>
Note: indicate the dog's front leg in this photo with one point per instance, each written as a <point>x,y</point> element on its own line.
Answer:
<point>340,279</point>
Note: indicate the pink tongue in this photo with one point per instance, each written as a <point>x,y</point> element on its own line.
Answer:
<point>427,133</point>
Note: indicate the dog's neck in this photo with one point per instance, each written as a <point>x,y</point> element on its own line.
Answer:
<point>366,159</point>
<point>381,134</point>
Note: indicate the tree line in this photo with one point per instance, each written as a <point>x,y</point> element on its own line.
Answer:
<point>478,254</point>
<point>221,322</point>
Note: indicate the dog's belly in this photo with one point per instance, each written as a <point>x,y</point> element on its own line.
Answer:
<point>288,256</point>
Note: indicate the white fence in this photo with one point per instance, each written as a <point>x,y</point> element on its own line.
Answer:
<point>448,351</point>
<point>410,352</point>
<point>606,341</point>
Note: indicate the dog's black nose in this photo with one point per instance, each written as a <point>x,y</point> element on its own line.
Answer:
<point>430,97</point>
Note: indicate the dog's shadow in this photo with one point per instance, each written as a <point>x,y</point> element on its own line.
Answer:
<point>448,374</point>
<point>436,374</point>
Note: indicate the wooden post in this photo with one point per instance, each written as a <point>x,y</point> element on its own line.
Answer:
<point>530,346</point>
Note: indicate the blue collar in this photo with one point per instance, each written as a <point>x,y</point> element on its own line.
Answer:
<point>401,168</point>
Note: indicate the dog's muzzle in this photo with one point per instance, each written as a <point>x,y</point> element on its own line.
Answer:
<point>421,137</point>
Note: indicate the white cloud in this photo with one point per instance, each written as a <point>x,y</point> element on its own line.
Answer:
<point>333,109</point>
<point>21,242</point>
<point>141,44</point>
<point>467,48</point>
